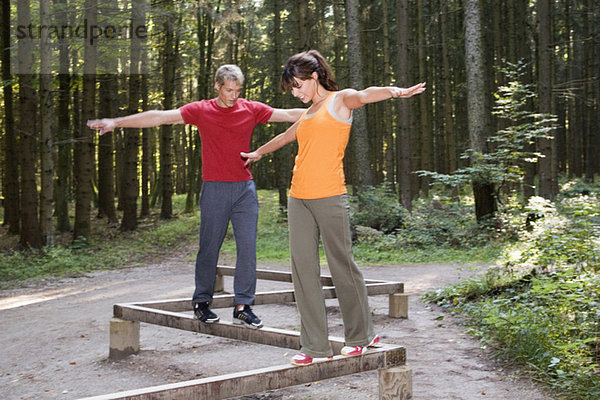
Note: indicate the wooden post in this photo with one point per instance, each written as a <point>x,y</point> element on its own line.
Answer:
<point>219,284</point>
<point>395,383</point>
<point>124,338</point>
<point>398,305</point>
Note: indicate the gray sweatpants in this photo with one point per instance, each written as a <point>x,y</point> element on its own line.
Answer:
<point>329,218</point>
<point>221,202</point>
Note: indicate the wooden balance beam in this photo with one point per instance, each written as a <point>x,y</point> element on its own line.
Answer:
<point>124,328</point>
<point>394,376</point>
<point>387,359</point>
<point>398,301</point>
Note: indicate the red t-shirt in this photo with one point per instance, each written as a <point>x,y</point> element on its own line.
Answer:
<point>225,132</point>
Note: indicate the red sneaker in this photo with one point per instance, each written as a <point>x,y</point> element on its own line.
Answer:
<point>359,350</point>
<point>305,359</point>
<point>374,341</point>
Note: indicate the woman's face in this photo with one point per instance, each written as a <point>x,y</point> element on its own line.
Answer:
<point>305,89</point>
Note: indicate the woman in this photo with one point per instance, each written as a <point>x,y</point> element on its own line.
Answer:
<point>318,204</point>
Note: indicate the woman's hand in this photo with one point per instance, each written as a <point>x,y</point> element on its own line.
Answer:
<point>251,157</point>
<point>408,92</point>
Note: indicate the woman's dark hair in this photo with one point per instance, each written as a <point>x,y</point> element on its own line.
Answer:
<point>302,65</point>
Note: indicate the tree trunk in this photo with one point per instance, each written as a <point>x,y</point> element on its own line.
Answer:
<point>403,150</point>
<point>193,170</point>
<point>301,38</point>
<point>483,191</point>
<point>129,182</point>
<point>84,160</point>
<point>106,163</point>
<point>202,27</point>
<point>281,157</point>
<point>548,182</point>
<point>63,160</point>
<point>109,91</point>
<point>30,229</point>
<point>10,181</point>
<point>166,131</point>
<point>338,46</point>
<point>179,134</point>
<point>523,38</point>
<point>590,79</point>
<point>574,103</point>
<point>389,155</point>
<point>146,153</point>
<point>47,141</point>
<point>424,113</point>
<point>359,137</point>
<point>435,62</point>
<point>449,136</point>
<point>595,123</point>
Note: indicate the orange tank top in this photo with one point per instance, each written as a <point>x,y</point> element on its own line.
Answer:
<point>322,139</point>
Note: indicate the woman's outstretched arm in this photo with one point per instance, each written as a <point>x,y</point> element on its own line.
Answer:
<point>352,99</point>
<point>274,144</point>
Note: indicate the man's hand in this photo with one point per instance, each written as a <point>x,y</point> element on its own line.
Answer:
<point>251,157</point>
<point>103,125</point>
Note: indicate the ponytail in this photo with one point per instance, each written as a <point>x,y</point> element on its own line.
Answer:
<point>302,65</point>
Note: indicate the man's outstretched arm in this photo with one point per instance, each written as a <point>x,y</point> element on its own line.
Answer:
<point>146,119</point>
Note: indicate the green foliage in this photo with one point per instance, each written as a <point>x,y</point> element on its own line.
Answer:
<point>510,147</point>
<point>548,321</point>
<point>429,234</point>
<point>378,208</point>
<point>443,223</point>
<point>438,225</point>
<point>108,249</point>
<point>410,244</point>
<point>568,234</point>
<point>388,252</point>
<point>552,327</point>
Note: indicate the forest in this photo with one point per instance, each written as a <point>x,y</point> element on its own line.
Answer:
<point>495,163</point>
<point>511,105</point>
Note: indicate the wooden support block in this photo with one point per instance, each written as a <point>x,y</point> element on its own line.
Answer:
<point>395,383</point>
<point>124,338</point>
<point>398,305</point>
<point>219,284</point>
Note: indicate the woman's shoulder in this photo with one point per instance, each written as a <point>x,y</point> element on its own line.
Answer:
<point>341,96</point>
<point>346,92</point>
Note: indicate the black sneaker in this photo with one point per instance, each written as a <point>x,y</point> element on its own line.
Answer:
<point>246,316</point>
<point>204,314</point>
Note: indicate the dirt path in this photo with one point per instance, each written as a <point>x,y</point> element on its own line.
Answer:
<point>54,340</point>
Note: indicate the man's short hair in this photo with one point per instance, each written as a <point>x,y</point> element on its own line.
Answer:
<point>229,72</point>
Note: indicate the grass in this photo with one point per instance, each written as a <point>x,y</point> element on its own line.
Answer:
<point>109,248</point>
<point>545,324</point>
<point>540,310</point>
<point>367,254</point>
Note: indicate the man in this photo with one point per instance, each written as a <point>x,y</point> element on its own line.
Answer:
<point>228,192</point>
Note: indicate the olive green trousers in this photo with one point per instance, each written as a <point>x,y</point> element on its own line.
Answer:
<point>329,219</point>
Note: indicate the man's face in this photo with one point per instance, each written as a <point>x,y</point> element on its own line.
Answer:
<point>228,93</point>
